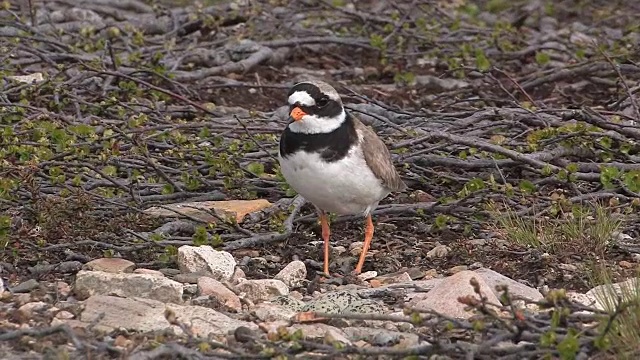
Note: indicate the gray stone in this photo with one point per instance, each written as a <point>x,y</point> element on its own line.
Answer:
<point>333,302</point>
<point>380,337</point>
<point>90,283</point>
<point>272,312</point>
<point>261,289</point>
<point>293,275</point>
<point>205,259</point>
<point>605,296</point>
<point>137,314</point>
<point>26,286</point>
<point>365,306</point>
<point>289,302</point>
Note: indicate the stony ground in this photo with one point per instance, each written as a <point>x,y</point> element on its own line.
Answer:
<point>113,112</point>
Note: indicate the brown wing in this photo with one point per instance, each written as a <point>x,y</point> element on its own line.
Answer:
<point>378,157</point>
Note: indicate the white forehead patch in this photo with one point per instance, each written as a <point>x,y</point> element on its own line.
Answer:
<point>301,97</point>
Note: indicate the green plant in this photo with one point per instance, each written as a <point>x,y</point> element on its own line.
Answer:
<point>585,228</point>
<point>620,328</point>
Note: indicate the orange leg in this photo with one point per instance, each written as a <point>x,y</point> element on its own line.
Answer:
<point>368,235</point>
<point>325,236</point>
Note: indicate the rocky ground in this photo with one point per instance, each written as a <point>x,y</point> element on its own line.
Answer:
<point>144,215</point>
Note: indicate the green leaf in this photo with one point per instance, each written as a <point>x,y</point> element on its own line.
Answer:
<point>542,58</point>
<point>607,175</point>
<point>482,62</point>
<point>527,187</point>
<point>109,170</point>
<point>572,167</point>
<point>548,339</point>
<point>496,6</point>
<point>441,221</point>
<point>256,168</point>
<point>569,346</point>
<point>167,189</point>
<point>631,180</point>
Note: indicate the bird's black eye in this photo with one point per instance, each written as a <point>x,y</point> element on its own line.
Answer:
<point>322,102</point>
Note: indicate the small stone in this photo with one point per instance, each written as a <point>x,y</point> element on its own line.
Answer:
<point>368,275</point>
<point>237,275</point>
<point>293,275</point>
<point>430,274</point>
<point>63,289</point>
<point>457,269</point>
<point>415,273</point>
<point>19,299</point>
<point>625,264</point>
<point>568,267</point>
<point>28,310</point>
<point>204,258</point>
<point>290,302</point>
<point>355,248</point>
<point>394,278</point>
<point>191,278</point>
<point>26,286</point>
<point>272,312</point>
<point>262,289</point>
<point>64,315</point>
<point>296,295</point>
<point>190,289</point>
<point>273,258</point>
<point>477,242</point>
<point>439,251</point>
<point>169,272</point>
<point>317,332</point>
<point>214,288</point>
<point>339,250</point>
<point>271,328</point>
<point>363,336</point>
<point>121,341</point>
<point>375,283</point>
<point>148,272</point>
<point>334,335</point>
<point>110,265</point>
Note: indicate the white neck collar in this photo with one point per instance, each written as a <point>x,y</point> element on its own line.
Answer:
<point>312,124</point>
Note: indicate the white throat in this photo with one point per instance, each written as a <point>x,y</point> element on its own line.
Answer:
<point>312,124</point>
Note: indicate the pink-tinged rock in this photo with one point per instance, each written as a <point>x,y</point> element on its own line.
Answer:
<point>443,298</point>
<point>493,279</point>
<point>214,288</point>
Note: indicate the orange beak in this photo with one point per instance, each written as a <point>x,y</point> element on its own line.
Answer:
<point>297,114</point>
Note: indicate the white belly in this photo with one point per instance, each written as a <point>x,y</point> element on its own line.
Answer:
<point>345,187</point>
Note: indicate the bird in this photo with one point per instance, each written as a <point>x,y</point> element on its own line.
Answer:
<point>334,161</point>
